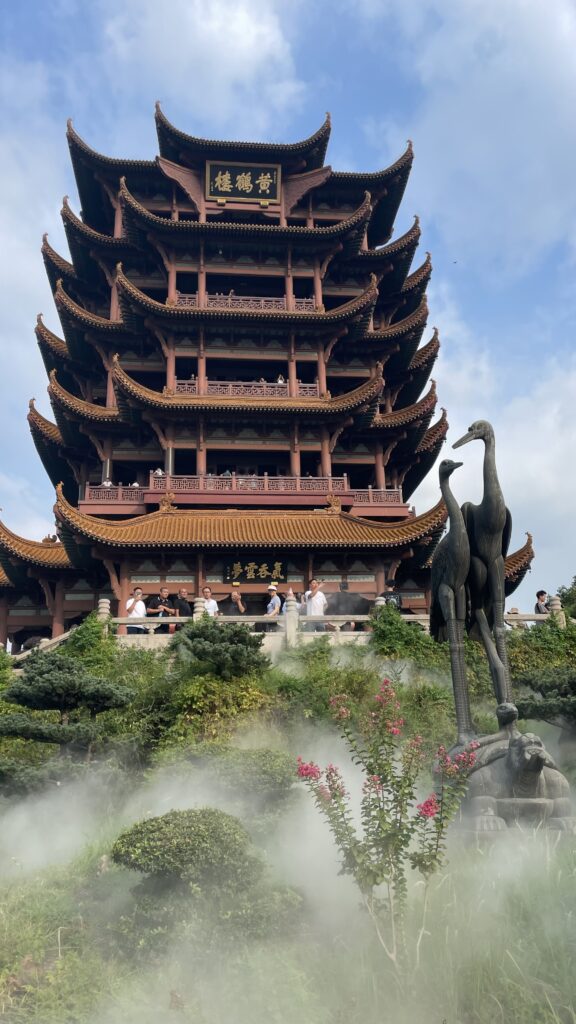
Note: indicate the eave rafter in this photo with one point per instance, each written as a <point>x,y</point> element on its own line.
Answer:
<point>173,143</point>
<point>127,388</point>
<point>348,232</point>
<point>410,414</point>
<point>77,408</point>
<point>49,431</point>
<point>134,301</point>
<point>177,529</point>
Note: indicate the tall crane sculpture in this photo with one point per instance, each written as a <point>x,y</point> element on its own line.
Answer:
<point>450,568</point>
<point>489,526</point>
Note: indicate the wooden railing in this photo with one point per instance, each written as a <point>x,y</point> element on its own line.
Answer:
<point>238,483</point>
<point>252,303</point>
<point>245,389</point>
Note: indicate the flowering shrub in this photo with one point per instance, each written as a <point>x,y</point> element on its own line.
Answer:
<point>396,832</point>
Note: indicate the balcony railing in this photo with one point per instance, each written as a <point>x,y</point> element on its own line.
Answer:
<point>112,495</point>
<point>245,389</point>
<point>252,303</point>
<point>243,484</point>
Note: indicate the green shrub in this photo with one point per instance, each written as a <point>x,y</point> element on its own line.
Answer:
<point>553,697</point>
<point>204,847</point>
<point>93,644</point>
<point>207,647</point>
<point>542,647</point>
<point>310,677</point>
<point>394,637</point>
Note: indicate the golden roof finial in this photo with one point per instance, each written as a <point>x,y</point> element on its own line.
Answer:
<point>167,502</point>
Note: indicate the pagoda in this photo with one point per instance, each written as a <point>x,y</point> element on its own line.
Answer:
<point>240,390</point>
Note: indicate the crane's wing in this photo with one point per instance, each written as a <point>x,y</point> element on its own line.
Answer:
<point>506,533</point>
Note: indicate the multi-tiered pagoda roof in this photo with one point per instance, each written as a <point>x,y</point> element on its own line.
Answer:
<point>242,376</point>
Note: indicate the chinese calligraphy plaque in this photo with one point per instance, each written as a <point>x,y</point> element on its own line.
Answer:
<point>248,183</point>
<point>248,570</point>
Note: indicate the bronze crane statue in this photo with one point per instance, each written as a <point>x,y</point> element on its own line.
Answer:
<point>450,567</point>
<point>489,526</point>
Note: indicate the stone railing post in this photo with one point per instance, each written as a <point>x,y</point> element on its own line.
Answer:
<point>292,621</point>
<point>555,606</point>
<point>379,602</point>
<point>103,611</point>
<point>199,607</point>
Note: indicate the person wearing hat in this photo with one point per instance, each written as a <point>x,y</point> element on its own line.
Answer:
<point>274,604</point>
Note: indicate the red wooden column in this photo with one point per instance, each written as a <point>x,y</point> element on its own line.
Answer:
<point>379,467</point>
<point>58,610</point>
<point>3,621</point>
<point>317,284</point>
<point>288,283</point>
<point>172,290</point>
<point>322,387</point>
<point>202,279</point>
<point>295,469</point>
<point>325,460</point>
<point>201,363</point>
<point>292,370</point>
<point>125,588</point>
<point>200,449</point>
<point>170,365</point>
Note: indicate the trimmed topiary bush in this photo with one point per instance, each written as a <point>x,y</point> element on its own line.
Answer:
<point>207,647</point>
<point>204,847</point>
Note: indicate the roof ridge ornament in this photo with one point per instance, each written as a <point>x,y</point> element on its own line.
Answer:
<point>166,503</point>
<point>334,503</point>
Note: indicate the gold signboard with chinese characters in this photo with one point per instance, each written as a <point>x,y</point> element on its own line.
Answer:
<point>248,570</point>
<point>245,183</point>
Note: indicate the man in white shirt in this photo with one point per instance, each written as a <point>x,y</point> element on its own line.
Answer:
<point>136,609</point>
<point>314,603</point>
<point>210,605</point>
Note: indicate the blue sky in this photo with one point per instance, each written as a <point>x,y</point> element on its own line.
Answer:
<point>486,90</point>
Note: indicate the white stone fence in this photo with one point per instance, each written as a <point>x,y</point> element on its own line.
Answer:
<point>290,628</point>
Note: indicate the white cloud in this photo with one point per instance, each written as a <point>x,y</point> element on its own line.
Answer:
<point>492,123</point>
<point>228,63</point>
<point>535,441</point>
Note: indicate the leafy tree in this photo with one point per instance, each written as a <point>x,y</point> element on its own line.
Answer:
<point>53,682</point>
<point>568,597</point>
<point>225,650</point>
<point>553,697</point>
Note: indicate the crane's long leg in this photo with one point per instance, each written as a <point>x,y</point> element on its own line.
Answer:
<point>496,584</point>
<point>497,669</point>
<point>455,629</point>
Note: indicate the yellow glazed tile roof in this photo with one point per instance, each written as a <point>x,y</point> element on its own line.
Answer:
<point>47,554</point>
<point>176,528</point>
<point>78,407</point>
<point>43,426</point>
<point>410,414</point>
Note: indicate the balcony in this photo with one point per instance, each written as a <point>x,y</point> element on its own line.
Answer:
<point>245,389</point>
<point>249,303</point>
<point>236,490</point>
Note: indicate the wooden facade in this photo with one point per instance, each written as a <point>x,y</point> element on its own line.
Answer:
<point>241,379</point>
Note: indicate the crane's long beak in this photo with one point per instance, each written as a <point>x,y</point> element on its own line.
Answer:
<point>457,464</point>
<point>470,436</point>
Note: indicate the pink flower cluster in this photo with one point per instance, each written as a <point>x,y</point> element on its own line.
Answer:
<point>330,783</point>
<point>308,770</point>
<point>334,781</point>
<point>460,764</point>
<point>373,784</point>
<point>386,698</point>
<point>429,808</point>
<point>339,706</point>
